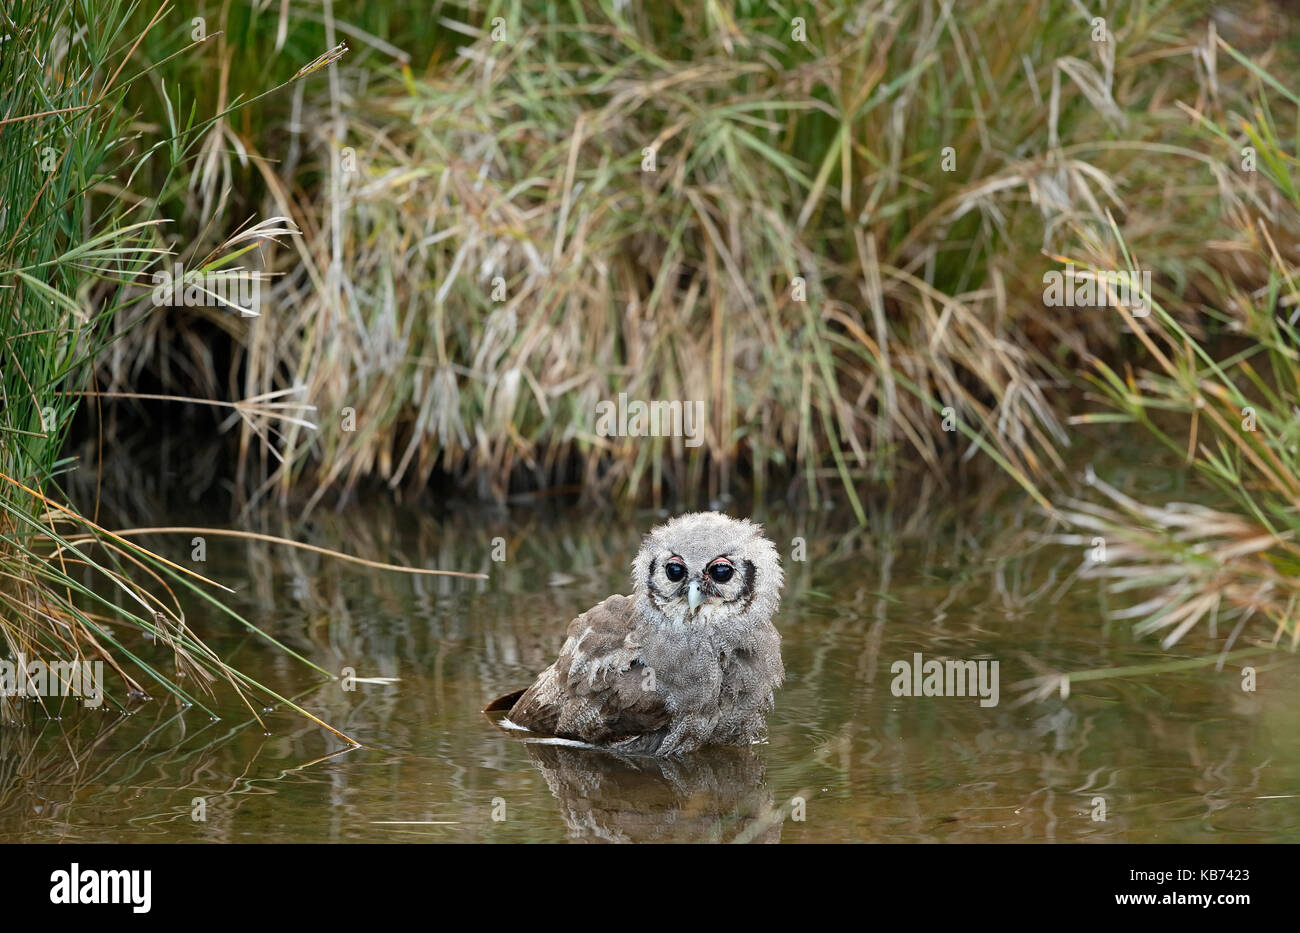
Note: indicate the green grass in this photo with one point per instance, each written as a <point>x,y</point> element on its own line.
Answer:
<point>71,246</point>
<point>1226,404</point>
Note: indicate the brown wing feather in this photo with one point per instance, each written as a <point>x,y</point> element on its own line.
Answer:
<point>596,690</point>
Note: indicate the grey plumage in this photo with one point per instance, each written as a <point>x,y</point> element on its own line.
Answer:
<point>690,659</point>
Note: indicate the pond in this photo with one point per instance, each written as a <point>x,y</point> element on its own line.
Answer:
<point>1179,756</point>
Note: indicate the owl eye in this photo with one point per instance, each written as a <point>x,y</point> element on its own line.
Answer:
<point>675,570</point>
<point>721,572</point>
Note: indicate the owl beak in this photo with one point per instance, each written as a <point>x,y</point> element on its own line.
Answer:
<point>694,596</point>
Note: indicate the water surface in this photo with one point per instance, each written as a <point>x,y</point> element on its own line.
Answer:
<point>1173,757</point>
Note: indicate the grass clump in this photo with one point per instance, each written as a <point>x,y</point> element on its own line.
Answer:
<point>839,249</point>
<point>1223,399</point>
<point>73,247</point>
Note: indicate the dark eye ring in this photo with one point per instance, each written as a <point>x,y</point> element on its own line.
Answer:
<point>675,570</point>
<point>721,572</point>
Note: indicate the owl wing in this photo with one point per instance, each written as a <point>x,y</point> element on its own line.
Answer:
<point>599,690</point>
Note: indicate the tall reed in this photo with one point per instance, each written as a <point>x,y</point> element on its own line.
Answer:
<point>74,243</point>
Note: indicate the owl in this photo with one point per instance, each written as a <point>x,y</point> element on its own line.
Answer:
<point>690,659</point>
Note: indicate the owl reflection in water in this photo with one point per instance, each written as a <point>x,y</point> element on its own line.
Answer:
<point>690,659</point>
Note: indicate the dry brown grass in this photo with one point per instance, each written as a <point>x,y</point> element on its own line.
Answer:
<point>522,160</point>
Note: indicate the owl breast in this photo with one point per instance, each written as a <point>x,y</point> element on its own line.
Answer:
<point>749,679</point>
<point>718,691</point>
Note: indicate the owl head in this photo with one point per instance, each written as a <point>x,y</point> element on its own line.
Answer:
<point>705,568</point>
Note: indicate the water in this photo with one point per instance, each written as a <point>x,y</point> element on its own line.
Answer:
<point>1176,757</point>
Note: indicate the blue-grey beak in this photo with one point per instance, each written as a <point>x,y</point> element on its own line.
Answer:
<point>693,595</point>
